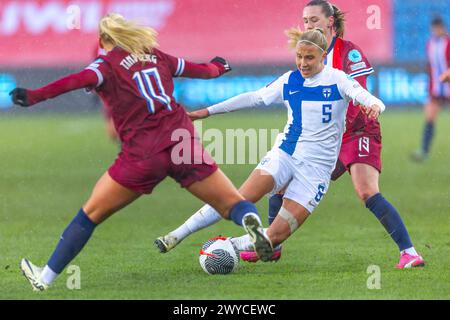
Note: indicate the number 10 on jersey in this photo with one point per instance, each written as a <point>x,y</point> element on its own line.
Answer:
<point>149,91</point>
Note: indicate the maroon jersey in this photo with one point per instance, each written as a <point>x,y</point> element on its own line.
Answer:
<point>438,55</point>
<point>138,95</point>
<point>348,57</point>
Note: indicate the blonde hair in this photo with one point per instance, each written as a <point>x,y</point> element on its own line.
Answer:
<point>130,36</point>
<point>314,37</point>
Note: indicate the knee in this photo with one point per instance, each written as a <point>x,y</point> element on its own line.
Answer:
<point>224,208</point>
<point>365,192</point>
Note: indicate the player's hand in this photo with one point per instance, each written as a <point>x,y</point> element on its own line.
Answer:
<point>19,96</point>
<point>198,114</point>
<point>372,112</point>
<point>223,62</point>
<point>445,77</point>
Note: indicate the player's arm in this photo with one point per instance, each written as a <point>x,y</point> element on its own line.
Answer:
<point>183,68</point>
<point>27,97</point>
<point>356,64</point>
<point>272,93</point>
<point>215,68</point>
<point>371,105</point>
<point>242,101</point>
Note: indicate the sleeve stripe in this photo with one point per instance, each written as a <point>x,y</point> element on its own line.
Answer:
<point>361,72</point>
<point>99,75</point>
<point>180,67</point>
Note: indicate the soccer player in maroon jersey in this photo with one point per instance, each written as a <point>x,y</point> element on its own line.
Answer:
<point>360,153</point>
<point>438,56</point>
<point>134,80</point>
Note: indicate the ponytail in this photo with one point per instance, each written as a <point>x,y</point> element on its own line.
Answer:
<point>339,22</point>
<point>133,38</point>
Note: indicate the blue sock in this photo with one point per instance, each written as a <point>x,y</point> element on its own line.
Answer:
<point>241,209</point>
<point>390,219</point>
<point>275,203</point>
<point>428,134</point>
<point>72,241</point>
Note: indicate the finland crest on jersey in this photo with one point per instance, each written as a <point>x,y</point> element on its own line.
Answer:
<point>316,114</point>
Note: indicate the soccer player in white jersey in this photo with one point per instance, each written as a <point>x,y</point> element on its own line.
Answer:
<point>304,156</point>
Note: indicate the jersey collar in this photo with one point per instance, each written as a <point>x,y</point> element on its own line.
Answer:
<point>331,45</point>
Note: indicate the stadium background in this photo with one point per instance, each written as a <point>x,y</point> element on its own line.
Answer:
<point>42,41</point>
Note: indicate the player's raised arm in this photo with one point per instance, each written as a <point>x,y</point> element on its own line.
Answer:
<point>26,97</point>
<point>272,93</point>
<point>183,68</point>
<point>370,104</point>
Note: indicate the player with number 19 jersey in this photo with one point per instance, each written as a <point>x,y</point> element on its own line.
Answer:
<point>361,142</point>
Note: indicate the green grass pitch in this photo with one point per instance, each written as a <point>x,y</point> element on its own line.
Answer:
<point>49,164</point>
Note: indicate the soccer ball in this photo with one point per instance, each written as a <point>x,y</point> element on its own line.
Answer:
<point>218,256</point>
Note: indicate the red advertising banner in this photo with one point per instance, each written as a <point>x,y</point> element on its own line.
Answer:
<point>64,33</point>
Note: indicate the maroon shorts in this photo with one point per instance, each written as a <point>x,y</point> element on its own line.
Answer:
<point>142,175</point>
<point>358,149</point>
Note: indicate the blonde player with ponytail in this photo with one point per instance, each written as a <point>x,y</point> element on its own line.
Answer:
<point>135,81</point>
<point>302,160</point>
<point>360,154</point>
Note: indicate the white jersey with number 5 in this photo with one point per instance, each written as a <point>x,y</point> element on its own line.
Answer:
<point>316,112</point>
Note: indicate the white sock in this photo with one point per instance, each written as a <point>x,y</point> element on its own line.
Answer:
<point>203,218</point>
<point>48,275</point>
<point>243,243</point>
<point>411,251</point>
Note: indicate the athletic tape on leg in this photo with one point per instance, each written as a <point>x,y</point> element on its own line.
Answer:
<point>290,219</point>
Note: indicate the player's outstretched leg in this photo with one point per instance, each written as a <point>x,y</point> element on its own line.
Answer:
<point>203,218</point>
<point>207,215</point>
<point>107,197</point>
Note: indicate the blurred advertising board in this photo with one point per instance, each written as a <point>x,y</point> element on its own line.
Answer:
<point>63,33</point>
<point>397,85</point>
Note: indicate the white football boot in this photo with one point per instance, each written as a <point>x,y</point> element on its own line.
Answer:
<point>166,243</point>
<point>33,273</point>
<point>262,243</point>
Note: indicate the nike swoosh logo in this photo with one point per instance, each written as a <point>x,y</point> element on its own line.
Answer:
<point>409,264</point>
<point>294,92</point>
<point>363,155</point>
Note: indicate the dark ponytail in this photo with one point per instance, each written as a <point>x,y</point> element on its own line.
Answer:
<point>339,21</point>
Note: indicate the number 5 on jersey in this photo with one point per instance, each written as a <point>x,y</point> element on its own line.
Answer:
<point>326,113</point>
<point>149,91</point>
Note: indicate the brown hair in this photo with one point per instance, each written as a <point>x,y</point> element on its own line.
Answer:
<point>330,10</point>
